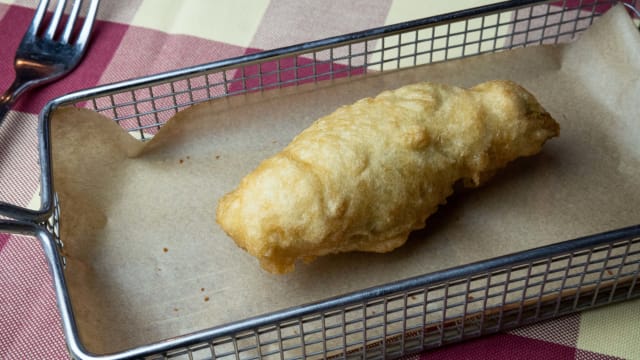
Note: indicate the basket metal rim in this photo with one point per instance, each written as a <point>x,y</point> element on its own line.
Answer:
<point>296,49</point>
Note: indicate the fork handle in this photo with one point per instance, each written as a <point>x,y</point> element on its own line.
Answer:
<point>11,95</point>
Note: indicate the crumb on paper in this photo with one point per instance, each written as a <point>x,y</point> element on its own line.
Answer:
<point>609,272</point>
<point>181,161</point>
<point>165,249</point>
<point>201,289</point>
<point>206,298</point>
<point>175,309</point>
<point>470,298</point>
<point>217,157</point>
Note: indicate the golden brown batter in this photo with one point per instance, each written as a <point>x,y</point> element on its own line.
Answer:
<point>365,176</point>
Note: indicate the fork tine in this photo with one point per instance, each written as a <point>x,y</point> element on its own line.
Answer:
<point>55,19</point>
<point>37,17</point>
<point>73,16</point>
<point>88,23</point>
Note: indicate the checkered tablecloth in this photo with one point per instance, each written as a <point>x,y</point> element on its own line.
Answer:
<point>141,37</point>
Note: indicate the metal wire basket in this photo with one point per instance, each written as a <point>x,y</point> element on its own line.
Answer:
<point>399,318</point>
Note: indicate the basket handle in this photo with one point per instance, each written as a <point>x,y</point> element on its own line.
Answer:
<point>18,227</point>
<point>19,213</point>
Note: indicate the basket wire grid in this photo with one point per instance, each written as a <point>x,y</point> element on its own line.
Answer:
<point>434,313</point>
<point>412,314</point>
<point>143,107</point>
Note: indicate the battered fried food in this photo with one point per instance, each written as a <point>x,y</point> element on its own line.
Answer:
<point>365,176</point>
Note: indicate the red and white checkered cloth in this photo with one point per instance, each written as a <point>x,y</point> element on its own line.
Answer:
<point>141,37</point>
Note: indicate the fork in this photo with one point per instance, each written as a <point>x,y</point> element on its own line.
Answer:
<point>43,55</point>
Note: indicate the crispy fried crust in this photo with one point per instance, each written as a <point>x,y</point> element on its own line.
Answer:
<point>365,176</point>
